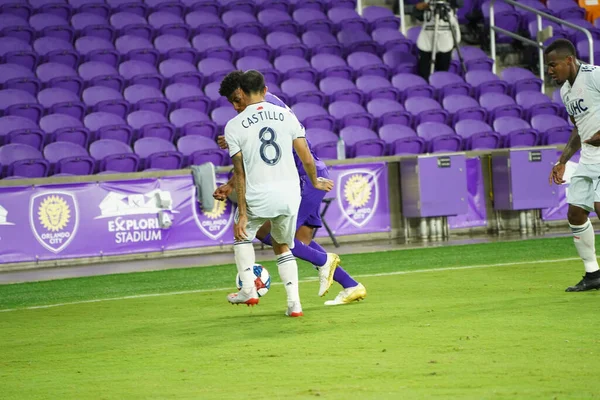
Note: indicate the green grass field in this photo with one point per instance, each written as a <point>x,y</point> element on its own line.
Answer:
<point>487,321</point>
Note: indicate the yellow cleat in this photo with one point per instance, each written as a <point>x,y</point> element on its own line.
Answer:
<point>348,295</point>
<point>326,273</point>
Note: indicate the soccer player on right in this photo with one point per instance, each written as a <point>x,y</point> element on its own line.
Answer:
<point>580,93</point>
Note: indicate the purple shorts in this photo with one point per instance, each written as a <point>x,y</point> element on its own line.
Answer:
<point>309,213</point>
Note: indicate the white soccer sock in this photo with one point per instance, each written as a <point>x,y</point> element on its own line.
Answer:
<point>585,243</point>
<point>288,272</point>
<point>244,261</point>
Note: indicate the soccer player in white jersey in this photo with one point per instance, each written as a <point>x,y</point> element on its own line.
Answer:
<point>260,141</point>
<point>580,93</point>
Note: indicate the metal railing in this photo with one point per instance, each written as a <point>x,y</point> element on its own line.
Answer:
<point>539,45</point>
<point>359,7</point>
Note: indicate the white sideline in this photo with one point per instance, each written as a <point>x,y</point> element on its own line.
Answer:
<point>416,271</point>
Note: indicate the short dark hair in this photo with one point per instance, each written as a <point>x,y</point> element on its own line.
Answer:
<point>252,82</point>
<point>230,83</point>
<point>562,47</point>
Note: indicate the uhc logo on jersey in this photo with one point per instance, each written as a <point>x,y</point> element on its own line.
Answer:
<point>576,107</point>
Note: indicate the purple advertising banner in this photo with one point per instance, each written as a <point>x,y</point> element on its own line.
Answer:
<point>477,212</point>
<point>148,215</point>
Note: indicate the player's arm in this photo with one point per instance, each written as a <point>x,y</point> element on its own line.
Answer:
<point>308,162</point>
<point>572,146</point>
<point>240,188</point>
<point>223,191</point>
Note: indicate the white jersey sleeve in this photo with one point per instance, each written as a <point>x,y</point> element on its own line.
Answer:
<point>298,130</point>
<point>232,140</point>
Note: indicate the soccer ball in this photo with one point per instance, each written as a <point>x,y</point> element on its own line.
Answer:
<point>262,281</point>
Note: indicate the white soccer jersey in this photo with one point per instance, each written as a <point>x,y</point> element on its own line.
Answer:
<point>264,133</point>
<point>582,101</point>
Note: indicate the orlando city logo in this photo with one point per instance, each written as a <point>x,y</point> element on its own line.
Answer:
<point>54,218</point>
<point>216,222</point>
<point>360,196</point>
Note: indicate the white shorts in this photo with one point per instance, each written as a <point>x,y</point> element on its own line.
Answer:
<point>283,227</point>
<point>583,189</point>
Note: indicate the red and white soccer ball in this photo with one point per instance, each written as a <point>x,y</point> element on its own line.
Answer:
<point>262,281</point>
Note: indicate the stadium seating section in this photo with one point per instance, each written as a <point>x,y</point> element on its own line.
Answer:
<point>92,86</point>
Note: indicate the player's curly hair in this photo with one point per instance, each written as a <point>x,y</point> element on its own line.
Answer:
<point>230,83</point>
<point>252,82</point>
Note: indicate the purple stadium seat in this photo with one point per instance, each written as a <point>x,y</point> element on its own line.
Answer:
<point>88,24</point>
<point>158,153</point>
<point>516,132</point>
<point>144,97</point>
<point>367,64</point>
<point>187,96</point>
<point>583,50</point>
<point>322,43</point>
<point>447,83</point>
<point>132,6</point>
<point>101,98</point>
<point>65,128</point>
<point>21,103</point>
<point>388,112</point>
<point>242,22</point>
<point>464,107</point>
<point>362,142</point>
<point>70,158</point>
<point>94,7</point>
<point>346,18</point>
<point>179,71</point>
<point>301,91</point>
<point>537,103</point>
<point>355,40</point>
<point>521,79</point>
<point>199,150</point>
<point>439,137</point>
<point>348,113</point>
<point>142,73</point>
<point>59,8</point>
<point>128,23</point>
<point>193,122</point>
<point>169,6</point>
<point>17,8</point>
<point>486,82</point>
<point>311,4</point>
<point>171,46</point>
<point>286,43</point>
<point>151,124</point>
<point>381,18</point>
<point>565,9</point>
<point>557,30</point>
<point>113,155</point>
<point>23,160</point>
<point>553,129</point>
<point>477,135</point>
<point>392,39</point>
<point>137,48</point>
<point>411,85</point>
<point>401,140</point>
<point>96,73</point>
<point>214,69</point>
<point>208,6</point>
<point>259,64</point>
<point>340,89</point>
<point>59,76</point>
<point>108,126</point>
<point>96,49</point>
<point>377,87</point>
<point>505,17</point>
<point>15,129</point>
<point>475,58</point>
<point>52,49</point>
<point>526,16</point>
<point>166,23</point>
<point>349,4</point>
<point>208,23</point>
<point>278,21</point>
<point>323,142</point>
<point>213,46</point>
<point>212,92</point>
<point>425,109</point>
<point>313,116</point>
<point>412,34</point>
<point>222,115</point>
<point>296,67</point>
<point>500,105</point>
<point>282,5</point>
<point>247,44</point>
<point>15,76</point>
<point>16,27</point>
<point>330,65</point>
<point>400,62</point>
<point>61,101</point>
<point>312,20</point>
<point>575,35</point>
<point>52,26</point>
<point>246,6</point>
